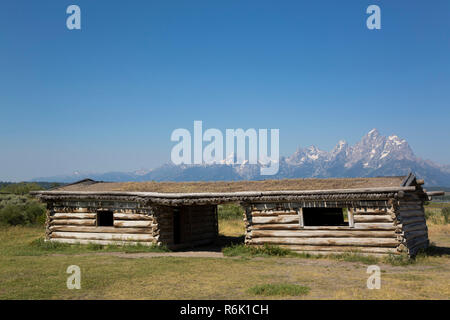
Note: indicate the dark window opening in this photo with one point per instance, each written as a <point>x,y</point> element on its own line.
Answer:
<point>176,226</point>
<point>105,218</point>
<point>325,217</point>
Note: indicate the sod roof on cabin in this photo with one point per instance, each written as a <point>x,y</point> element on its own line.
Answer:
<point>235,186</point>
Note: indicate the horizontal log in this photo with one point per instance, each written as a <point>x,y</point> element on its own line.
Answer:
<point>411,213</point>
<point>132,216</point>
<point>321,233</point>
<point>375,226</point>
<point>340,249</point>
<point>414,227</point>
<point>415,234</point>
<point>102,242</point>
<point>372,218</point>
<point>276,226</point>
<point>411,220</point>
<point>416,241</point>
<point>268,213</point>
<point>100,229</point>
<point>296,226</point>
<point>410,207</point>
<point>78,222</point>
<point>73,210</point>
<point>102,236</point>
<point>363,211</point>
<point>325,253</point>
<point>124,223</point>
<point>363,242</point>
<point>278,219</point>
<point>60,215</point>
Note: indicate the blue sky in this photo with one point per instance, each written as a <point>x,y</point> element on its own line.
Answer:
<point>107,97</point>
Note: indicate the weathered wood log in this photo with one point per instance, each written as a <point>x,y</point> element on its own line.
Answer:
<point>102,242</point>
<point>102,236</point>
<point>364,211</point>
<point>436,193</point>
<point>375,226</point>
<point>132,216</point>
<point>406,207</point>
<point>363,242</point>
<point>340,249</point>
<point>322,233</point>
<point>100,229</point>
<point>409,220</point>
<point>268,213</point>
<point>278,219</point>
<point>413,242</point>
<point>59,215</point>
<point>414,227</point>
<point>79,222</point>
<point>125,223</point>
<point>415,234</point>
<point>276,226</point>
<point>411,213</point>
<point>295,226</point>
<point>326,253</point>
<point>373,218</point>
<point>73,210</point>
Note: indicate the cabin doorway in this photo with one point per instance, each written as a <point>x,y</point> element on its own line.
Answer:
<point>181,225</point>
<point>192,226</point>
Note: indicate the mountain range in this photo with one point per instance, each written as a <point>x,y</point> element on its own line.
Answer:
<point>374,155</point>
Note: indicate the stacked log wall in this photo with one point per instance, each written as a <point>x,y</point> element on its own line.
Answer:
<point>76,222</point>
<point>372,230</point>
<point>410,218</point>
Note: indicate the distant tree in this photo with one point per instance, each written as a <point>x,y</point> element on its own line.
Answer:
<point>21,188</point>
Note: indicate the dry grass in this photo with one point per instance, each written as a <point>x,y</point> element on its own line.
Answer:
<point>236,186</point>
<point>43,276</point>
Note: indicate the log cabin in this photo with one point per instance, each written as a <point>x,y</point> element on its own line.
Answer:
<point>379,216</point>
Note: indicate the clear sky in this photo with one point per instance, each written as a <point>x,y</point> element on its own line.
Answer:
<point>107,97</point>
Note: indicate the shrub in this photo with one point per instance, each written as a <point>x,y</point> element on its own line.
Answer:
<point>20,188</point>
<point>19,210</point>
<point>230,212</point>
<point>446,214</point>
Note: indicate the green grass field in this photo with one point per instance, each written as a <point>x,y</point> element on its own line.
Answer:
<point>33,269</point>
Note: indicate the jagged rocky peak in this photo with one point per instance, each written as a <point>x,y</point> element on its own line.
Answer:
<point>397,148</point>
<point>340,147</point>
